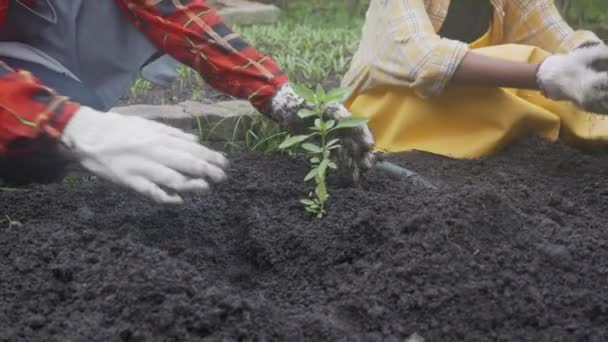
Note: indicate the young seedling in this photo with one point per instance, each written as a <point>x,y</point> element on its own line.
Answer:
<point>319,151</point>
<point>139,88</point>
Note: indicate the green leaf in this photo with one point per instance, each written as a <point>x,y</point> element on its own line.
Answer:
<point>315,160</point>
<point>336,95</point>
<point>318,124</point>
<point>321,192</point>
<point>308,202</point>
<point>312,210</point>
<point>304,92</point>
<point>320,92</point>
<point>306,113</point>
<point>311,148</point>
<point>294,140</point>
<point>332,142</point>
<point>329,124</point>
<point>312,174</point>
<point>334,147</point>
<point>332,165</point>
<point>350,122</point>
<point>323,168</point>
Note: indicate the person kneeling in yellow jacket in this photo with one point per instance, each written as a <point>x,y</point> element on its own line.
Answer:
<point>466,78</point>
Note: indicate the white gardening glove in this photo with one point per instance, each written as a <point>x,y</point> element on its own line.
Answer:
<point>580,76</point>
<point>149,157</point>
<point>356,154</point>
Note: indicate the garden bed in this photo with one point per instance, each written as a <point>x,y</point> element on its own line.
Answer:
<point>512,248</point>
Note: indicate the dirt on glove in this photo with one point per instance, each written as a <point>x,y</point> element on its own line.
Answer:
<point>511,248</point>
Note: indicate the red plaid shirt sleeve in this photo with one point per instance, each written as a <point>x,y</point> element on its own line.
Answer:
<point>190,31</point>
<point>28,110</point>
<point>194,34</point>
<point>3,10</point>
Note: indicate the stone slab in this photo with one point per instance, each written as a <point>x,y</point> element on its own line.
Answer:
<point>244,12</point>
<point>222,121</point>
<point>171,115</point>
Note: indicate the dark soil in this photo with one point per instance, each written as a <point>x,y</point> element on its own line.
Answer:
<point>511,248</point>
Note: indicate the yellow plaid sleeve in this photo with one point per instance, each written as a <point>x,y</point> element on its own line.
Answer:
<point>539,23</point>
<point>399,46</point>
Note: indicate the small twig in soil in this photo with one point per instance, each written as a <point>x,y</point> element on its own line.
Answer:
<point>398,172</point>
<point>12,223</point>
<point>595,185</point>
<point>5,189</point>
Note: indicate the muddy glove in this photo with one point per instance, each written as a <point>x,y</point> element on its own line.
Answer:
<point>580,76</point>
<point>355,156</point>
<point>146,156</point>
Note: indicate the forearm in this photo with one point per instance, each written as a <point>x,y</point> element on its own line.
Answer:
<point>193,33</point>
<point>482,71</point>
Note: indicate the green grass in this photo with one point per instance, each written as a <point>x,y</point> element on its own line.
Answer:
<point>264,135</point>
<point>260,133</point>
<point>330,12</point>
<point>586,14</point>
<point>73,179</point>
<point>139,88</point>
<point>187,78</point>
<point>309,54</point>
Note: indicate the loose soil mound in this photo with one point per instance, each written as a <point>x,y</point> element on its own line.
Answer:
<point>512,248</point>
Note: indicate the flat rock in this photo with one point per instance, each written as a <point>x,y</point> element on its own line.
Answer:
<point>172,115</point>
<point>244,12</point>
<point>220,121</point>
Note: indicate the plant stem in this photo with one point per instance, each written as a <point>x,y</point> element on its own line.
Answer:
<point>324,153</point>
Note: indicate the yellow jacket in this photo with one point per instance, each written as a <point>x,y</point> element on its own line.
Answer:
<point>399,44</point>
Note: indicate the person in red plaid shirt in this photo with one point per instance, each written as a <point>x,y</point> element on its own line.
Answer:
<point>64,63</point>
